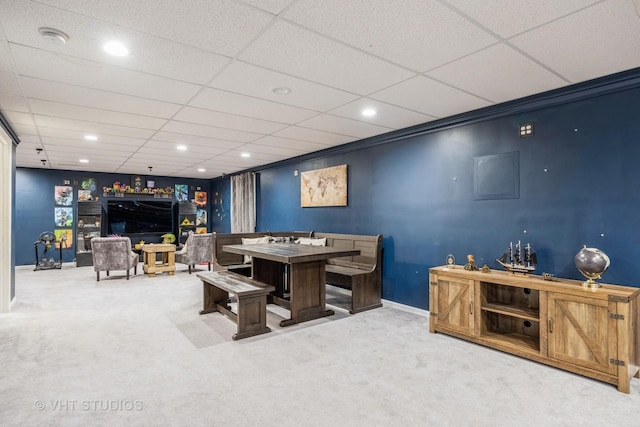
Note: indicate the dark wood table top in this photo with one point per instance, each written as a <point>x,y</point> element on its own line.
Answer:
<point>290,253</point>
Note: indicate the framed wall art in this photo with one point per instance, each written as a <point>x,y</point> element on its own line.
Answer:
<point>324,187</point>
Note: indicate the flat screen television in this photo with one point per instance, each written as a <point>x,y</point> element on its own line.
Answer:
<point>139,216</point>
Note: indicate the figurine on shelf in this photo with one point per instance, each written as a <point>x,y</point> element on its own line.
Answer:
<point>450,261</point>
<point>471,263</point>
<point>485,269</point>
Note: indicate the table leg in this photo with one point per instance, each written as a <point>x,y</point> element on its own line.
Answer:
<point>171,262</point>
<point>307,292</point>
<point>271,273</point>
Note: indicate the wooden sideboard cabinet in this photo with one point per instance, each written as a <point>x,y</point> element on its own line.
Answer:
<point>591,332</point>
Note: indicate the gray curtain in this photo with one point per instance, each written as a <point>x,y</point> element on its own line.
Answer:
<point>243,203</point>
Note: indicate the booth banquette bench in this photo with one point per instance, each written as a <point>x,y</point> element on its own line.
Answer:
<point>362,274</point>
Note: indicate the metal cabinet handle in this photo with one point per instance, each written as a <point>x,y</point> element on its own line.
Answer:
<point>550,324</point>
<point>470,307</point>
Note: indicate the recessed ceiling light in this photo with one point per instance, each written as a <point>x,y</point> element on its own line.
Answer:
<point>281,90</point>
<point>201,169</point>
<point>245,155</point>
<point>368,112</point>
<point>54,35</point>
<point>91,137</point>
<point>84,161</point>
<point>116,48</point>
<point>182,147</point>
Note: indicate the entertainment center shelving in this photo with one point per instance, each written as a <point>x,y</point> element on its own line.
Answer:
<point>88,225</point>
<point>592,332</point>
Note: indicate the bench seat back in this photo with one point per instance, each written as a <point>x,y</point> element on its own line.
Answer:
<point>370,248</point>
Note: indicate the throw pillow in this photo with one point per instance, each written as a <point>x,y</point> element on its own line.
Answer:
<point>253,241</point>
<point>312,241</point>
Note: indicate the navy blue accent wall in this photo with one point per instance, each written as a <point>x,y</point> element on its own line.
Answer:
<point>34,204</point>
<point>578,181</point>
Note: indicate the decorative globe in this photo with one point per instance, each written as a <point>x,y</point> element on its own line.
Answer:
<point>592,263</point>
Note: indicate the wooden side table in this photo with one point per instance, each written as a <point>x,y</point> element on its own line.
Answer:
<point>168,264</point>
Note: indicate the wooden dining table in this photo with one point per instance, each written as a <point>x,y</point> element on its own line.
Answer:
<point>301,268</point>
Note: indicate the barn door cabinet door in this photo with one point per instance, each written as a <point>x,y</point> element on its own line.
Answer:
<point>580,332</point>
<point>596,335</point>
<point>452,304</point>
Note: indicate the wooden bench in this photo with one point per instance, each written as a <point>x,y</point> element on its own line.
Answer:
<point>362,274</point>
<point>251,313</point>
<point>234,262</point>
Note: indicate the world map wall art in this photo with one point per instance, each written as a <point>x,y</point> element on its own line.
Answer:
<point>324,187</point>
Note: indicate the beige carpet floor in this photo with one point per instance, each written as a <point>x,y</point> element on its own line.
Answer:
<point>76,352</point>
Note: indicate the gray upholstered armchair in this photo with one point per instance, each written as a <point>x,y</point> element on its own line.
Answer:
<point>113,253</point>
<point>198,248</point>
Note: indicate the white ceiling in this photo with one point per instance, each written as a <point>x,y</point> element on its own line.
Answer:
<point>201,73</point>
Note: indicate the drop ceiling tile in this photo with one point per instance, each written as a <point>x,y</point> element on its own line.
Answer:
<point>520,16</point>
<point>90,127</point>
<point>193,151</point>
<point>158,157</point>
<point>191,173</point>
<point>9,82</point>
<point>70,159</point>
<point>243,164</point>
<point>439,34</point>
<point>325,138</point>
<point>88,147</point>
<point>258,82</point>
<point>73,136</point>
<point>74,164</point>
<point>288,48</point>
<point>287,143</point>
<point>430,97</point>
<point>271,6</point>
<point>50,66</point>
<point>231,121</point>
<point>13,103</point>
<point>195,142</point>
<point>29,139</point>
<point>387,115</point>
<point>256,158</point>
<point>172,155</point>
<point>28,148</point>
<point>149,54</point>
<point>233,103</point>
<point>267,149</point>
<point>214,25</point>
<point>499,74</point>
<point>24,129</point>
<point>17,118</point>
<point>134,169</point>
<point>217,168</point>
<point>343,126</point>
<point>76,112</point>
<point>608,31</point>
<point>209,131</point>
<point>5,52</point>
<point>70,94</point>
